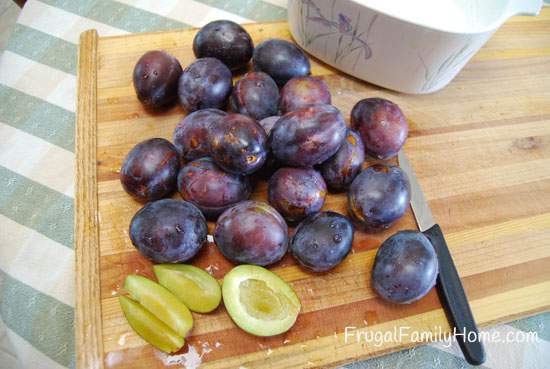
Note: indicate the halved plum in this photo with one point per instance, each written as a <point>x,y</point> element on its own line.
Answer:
<point>259,301</point>
<point>197,289</point>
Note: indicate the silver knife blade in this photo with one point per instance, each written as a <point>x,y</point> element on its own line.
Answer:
<point>419,204</point>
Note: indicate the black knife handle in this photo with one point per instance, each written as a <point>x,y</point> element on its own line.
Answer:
<point>453,296</point>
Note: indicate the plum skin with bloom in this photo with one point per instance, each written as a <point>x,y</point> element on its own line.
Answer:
<point>168,231</point>
<point>379,196</point>
<point>405,267</point>
<point>322,241</point>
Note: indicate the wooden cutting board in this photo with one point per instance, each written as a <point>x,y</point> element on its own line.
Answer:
<point>481,148</point>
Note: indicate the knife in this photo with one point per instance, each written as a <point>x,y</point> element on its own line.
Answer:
<point>449,286</point>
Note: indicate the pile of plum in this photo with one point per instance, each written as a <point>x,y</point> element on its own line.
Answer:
<point>280,125</point>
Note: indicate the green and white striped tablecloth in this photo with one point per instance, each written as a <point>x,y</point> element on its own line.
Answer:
<point>37,118</point>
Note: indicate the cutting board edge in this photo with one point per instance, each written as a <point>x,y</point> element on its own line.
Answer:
<point>88,321</point>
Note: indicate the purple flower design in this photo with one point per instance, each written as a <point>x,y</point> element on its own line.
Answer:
<point>341,27</point>
<point>344,24</point>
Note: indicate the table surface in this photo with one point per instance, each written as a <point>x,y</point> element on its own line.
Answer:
<point>37,117</point>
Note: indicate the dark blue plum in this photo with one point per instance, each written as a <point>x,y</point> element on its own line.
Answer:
<point>149,171</point>
<point>168,231</point>
<point>379,196</point>
<point>281,59</point>
<point>322,241</point>
<point>405,268</point>
<point>224,40</point>
<point>205,83</point>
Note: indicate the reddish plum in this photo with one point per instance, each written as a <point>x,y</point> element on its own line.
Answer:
<point>238,144</point>
<point>251,232</point>
<point>296,192</point>
<point>382,126</point>
<point>340,170</point>
<point>155,78</point>
<point>192,133</point>
<point>211,189</point>
<point>309,136</point>
<point>300,92</point>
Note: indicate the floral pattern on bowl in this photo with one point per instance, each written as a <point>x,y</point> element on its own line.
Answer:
<point>386,50</point>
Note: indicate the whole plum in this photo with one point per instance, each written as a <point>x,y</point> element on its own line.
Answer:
<point>238,144</point>
<point>149,171</point>
<point>379,196</point>
<point>300,92</point>
<point>405,268</point>
<point>168,231</point>
<point>281,59</point>
<point>251,232</point>
<point>309,136</point>
<point>205,83</point>
<point>340,170</point>
<point>192,133</point>
<point>322,241</point>
<point>156,77</point>
<point>255,95</point>
<point>212,190</point>
<point>382,126</point>
<point>296,192</point>
<point>224,40</point>
<point>268,123</point>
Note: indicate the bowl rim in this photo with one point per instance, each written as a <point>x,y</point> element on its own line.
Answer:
<point>493,26</point>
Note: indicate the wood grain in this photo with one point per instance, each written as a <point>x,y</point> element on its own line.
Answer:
<point>88,323</point>
<point>481,150</point>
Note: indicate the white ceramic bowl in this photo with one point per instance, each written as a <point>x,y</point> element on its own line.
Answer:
<point>413,46</point>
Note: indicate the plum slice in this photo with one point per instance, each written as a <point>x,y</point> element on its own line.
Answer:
<point>149,327</point>
<point>197,289</point>
<point>160,302</point>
